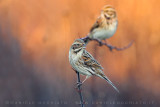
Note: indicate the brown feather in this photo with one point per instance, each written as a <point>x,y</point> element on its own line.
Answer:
<point>90,61</point>
<point>96,24</point>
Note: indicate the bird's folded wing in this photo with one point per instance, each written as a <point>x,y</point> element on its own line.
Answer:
<point>96,24</point>
<point>90,61</point>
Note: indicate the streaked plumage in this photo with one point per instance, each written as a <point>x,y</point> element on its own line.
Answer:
<point>84,63</point>
<point>105,25</point>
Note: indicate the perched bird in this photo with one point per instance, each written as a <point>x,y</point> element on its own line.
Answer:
<point>84,63</point>
<point>105,25</point>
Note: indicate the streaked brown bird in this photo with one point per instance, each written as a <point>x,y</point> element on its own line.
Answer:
<point>84,63</point>
<point>105,25</point>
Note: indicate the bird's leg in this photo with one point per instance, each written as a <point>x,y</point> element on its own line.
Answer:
<point>80,83</point>
<point>85,79</point>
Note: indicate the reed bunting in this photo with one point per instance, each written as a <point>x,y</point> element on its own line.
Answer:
<point>84,63</point>
<point>106,24</point>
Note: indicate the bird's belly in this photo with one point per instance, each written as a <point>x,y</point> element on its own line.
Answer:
<point>104,33</point>
<point>81,69</point>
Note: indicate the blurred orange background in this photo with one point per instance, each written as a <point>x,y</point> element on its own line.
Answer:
<point>35,37</point>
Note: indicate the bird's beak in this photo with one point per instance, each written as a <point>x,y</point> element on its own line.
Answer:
<point>107,16</point>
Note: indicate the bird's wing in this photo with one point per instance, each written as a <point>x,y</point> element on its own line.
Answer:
<point>90,61</point>
<point>96,24</point>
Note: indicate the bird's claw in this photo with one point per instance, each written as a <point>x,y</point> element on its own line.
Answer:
<point>79,84</point>
<point>78,89</point>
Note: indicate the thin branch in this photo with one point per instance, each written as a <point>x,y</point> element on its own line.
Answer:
<point>79,90</point>
<point>86,39</point>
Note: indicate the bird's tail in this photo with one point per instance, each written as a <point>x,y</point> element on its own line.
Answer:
<point>111,83</point>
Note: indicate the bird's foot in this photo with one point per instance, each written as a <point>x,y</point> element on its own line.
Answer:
<point>79,84</point>
<point>78,89</point>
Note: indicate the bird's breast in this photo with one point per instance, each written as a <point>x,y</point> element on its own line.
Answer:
<point>74,57</point>
<point>105,32</point>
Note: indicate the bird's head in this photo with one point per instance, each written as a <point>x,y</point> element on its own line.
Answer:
<point>78,45</point>
<point>108,12</point>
